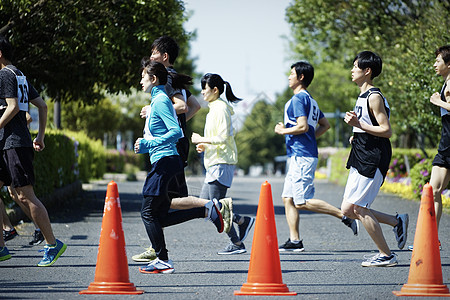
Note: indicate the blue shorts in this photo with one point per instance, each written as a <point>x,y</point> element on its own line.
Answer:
<point>298,183</point>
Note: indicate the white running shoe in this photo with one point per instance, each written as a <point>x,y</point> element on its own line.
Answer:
<point>379,260</point>
<point>158,266</point>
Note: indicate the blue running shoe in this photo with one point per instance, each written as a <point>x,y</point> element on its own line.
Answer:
<point>4,254</point>
<point>51,254</point>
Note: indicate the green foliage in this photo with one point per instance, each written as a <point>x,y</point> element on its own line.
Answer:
<point>121,162</point>
<point>93,119</point>
<point>402,157</point>
<point>420,175</point>
<point>91,156</point>
<point>339,172</point>
<point>76,49</point>
<point>257,142</point>
<point>56,166</point>
<point>196,124</point>
<point>404,33</point>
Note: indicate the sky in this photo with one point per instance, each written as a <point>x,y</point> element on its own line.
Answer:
<point>242,40</point>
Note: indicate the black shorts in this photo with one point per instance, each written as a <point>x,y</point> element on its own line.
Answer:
<point>161,173</point>
<point>441,161</point>
<point>16,167</point>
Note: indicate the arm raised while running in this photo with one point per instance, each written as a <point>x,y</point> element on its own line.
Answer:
<point>299,128</point>
<point>376,105</point>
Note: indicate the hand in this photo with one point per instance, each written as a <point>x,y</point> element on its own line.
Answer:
<point>38,145</point>
<point>279,128</point>
<point>196,138</point>
<point>200,148</point>
<point>137,145</point>
<point>351,119</point>
<point>143,112</point>
<point>350,140</point>
<point>435,99</point>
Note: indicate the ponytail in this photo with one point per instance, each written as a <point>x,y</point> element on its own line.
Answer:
<point>229,93</point>
<point>214,80</point>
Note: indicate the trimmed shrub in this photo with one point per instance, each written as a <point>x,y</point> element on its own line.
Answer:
<point>56,165</point>
<point>91,156</point>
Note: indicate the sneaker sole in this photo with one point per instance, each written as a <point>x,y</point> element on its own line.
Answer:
<point>381,265</point>
<point>357,228</point>
<point>250,225</point>
<point>292,250</point>
<point>165,271</point>
<point>61,251</point>
<point>143,259</point>
<point>405,228</point>
<point>234,252</point>
<point>6,257</point>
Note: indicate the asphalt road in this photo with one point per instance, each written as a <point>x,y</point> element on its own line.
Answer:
<point>328,269</point>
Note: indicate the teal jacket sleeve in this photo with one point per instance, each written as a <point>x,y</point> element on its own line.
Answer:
<point>166,128</point>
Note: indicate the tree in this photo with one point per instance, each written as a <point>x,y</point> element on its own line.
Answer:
<point>405,33</point>
<point>76,49</point>
<point>257,142</point>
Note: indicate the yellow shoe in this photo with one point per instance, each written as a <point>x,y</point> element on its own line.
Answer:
<point>146,256</point>
<point>227,213</point>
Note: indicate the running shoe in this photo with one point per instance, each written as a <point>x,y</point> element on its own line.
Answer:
<point>158,266</point>
<point>9,234</point>
<point>146,256</point>
<point>401,230</point>
<point>352,224</point>
<point>227,213</point>
<point>4,254</point>
<point>215,216</point>
<point>233,249</point>
<point>290,246</point>
<point>379,260</point>
<point>51,254</point>
<point>245,227</point>
<point>38,238</point>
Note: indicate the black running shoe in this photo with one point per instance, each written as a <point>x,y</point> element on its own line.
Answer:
<point>352,224</point>
<point>245,227</point>
<point>38,238</point>
<point>9,234</point>
<point>289,246</point>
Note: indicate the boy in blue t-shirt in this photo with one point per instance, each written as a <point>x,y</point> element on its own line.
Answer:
<point>303,123</point>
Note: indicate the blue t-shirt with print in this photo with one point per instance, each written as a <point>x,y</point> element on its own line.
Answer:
<point>302,105</point>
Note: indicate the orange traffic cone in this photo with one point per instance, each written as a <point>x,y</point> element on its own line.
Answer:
<point>264,272</point>
<point>111,273</point>
<point>425,271</point>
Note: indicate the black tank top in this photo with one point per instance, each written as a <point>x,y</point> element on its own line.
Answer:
<point>444,144</point>
<point>370,152</point>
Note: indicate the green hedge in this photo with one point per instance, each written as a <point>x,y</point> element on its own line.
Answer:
<point>91,156</point>
<point>56,165</point>
<point>117,161</point>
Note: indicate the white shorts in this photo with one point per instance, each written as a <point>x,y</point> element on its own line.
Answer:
<point>298,183</point>
<point>361,190</point>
